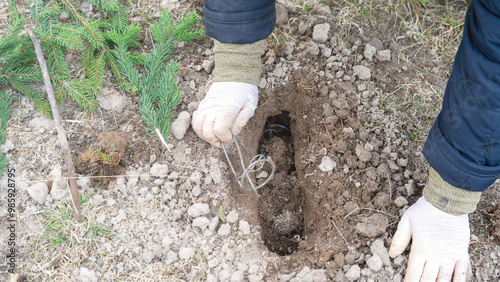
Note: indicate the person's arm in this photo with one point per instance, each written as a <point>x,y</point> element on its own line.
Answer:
<point>239,29</point>
<point>463,149</point>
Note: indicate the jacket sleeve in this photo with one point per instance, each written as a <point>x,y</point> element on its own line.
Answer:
<point>239,21</point>
<point>463,146</point>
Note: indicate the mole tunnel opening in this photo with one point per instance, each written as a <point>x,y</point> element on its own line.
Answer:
<point>278,126</point>
<point>281,203</point>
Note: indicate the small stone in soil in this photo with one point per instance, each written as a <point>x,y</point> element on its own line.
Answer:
<point>171,257</point>
<point>244,227</point>
<point>224,230</point>
<point>375,225</point>
<point>351,208</point>
<point>362,72</point>
<point>378,248</point>
<point>374,263</point>
<point>403,162</point>
<point>64,16</point>
<point>384,55</point>
<point>148,256</point>
<point>86,7</point>
<point>303,26</point>
<point>327,164</point>
<point>208,65</point>
<point>111,100</point>
<point>198,209</point>
<point>232,217</point>
<point>166,241</point>
<point>262,174</point>
<point>281,14</point>
<point>202,222</point>
<point>320,32</point>
<point>351,256</point>
<point>363,154</point>
<point>286,277</point>
<point>181,125</point>
<point>196,190</point>
<point>159,170</point>
<point>399,260</point>
<point>38,192</point>
<point>237,276</point>
<point>369,52</point>
<point>410,189</point>
<point>214,222</point>
<point>7,146</point>
<point>353,273</point>
<point>400,201</point>
<point>307,274</point>
<point>87,275</point>
<point>381,199</point>
<point>310,48</point>
<point>216,173</point>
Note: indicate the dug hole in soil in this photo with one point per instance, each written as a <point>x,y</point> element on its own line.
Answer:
<point>316,204</point>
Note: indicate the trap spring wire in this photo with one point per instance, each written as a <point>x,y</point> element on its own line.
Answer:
<point>255,165</point>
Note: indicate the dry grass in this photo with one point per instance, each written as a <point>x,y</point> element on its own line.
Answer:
<point>63,245</point>
<point>428,35</point>
<point>62,241</point>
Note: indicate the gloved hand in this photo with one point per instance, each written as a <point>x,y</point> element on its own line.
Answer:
<point>440,243</point>
<point>224,111</point>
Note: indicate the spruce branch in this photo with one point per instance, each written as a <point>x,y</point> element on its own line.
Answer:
<point>13,14</point>
<point>92,32</point>
<point>31,92</point>
<point>101,44</point>
<point>157,87</point>
<point>60,128</point>
<point>5,112</point>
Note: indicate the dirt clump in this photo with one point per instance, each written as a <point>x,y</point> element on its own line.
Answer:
<point>375,225</point>
<point>106,159</point>
<point>280,153</point>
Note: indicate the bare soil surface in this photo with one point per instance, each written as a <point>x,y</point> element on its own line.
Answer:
<point>354,106</point>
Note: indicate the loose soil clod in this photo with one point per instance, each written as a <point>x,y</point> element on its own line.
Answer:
<point>106,160</point>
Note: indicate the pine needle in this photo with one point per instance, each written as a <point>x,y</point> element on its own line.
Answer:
<point>5,112</point>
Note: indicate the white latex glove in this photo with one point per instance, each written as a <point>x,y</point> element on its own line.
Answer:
<point>440,243</point>
<point>224,111</point>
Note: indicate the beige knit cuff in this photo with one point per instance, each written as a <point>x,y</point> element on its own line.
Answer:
<point>448,198</point>
<point>238,62</point>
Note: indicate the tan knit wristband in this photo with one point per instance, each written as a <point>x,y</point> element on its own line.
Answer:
<point>238,62</point>
<point>448,198</point>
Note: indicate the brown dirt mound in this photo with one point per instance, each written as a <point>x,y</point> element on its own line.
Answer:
<point>106,159</point>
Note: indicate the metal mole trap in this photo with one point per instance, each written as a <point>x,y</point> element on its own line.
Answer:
<point>256,164</point>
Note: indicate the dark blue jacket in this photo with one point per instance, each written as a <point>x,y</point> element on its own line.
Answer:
<point>239,21</point>
<point>463,146</point>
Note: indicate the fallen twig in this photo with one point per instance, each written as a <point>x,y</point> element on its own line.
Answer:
<point>369,209</point>
<point>162,139</point>
<point>335,225</point>
<point>73,186</point>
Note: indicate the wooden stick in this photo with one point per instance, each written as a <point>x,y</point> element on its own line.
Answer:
<point>73,186</point>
